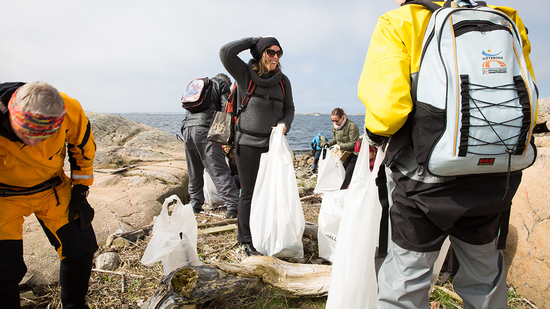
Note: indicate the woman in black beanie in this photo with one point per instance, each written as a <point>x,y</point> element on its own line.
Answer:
<point>269,105</point>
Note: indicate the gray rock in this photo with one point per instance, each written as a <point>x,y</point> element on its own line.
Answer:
<point>108,261</point>
<point>527,253</point>
<point>121,242</point>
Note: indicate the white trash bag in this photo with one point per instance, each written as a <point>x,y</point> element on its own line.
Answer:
<point>353,280</point>
<point>331,173</point>
<point>211,196</point>
<point>329,222</point>
<point>174,240</point>
<point>276,217</point>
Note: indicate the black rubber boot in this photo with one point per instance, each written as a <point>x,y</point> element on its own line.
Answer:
<point>12,270</point>
<point>74,277</point>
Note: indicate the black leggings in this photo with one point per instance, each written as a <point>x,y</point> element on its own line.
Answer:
<point>248,163</point>
<point>349,165</point>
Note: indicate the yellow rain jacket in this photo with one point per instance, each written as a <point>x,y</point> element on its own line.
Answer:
<point>26,166</point>
<point>393,55</point>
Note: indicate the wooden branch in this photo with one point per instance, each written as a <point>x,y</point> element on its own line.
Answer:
<point>117,273</point>
<point>122,169</point>
<point>219,223</point>
<point>195,285</point>
<point>307,197</point>
<point>451,294</point>
<point>218,229</point>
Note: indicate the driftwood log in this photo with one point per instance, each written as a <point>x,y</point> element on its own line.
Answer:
<point>188,286</point>
<point>310,230</point>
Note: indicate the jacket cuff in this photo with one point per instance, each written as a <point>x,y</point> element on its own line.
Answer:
<point>375,140</point>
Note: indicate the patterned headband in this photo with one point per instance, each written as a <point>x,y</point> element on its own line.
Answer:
<point>32,125</point>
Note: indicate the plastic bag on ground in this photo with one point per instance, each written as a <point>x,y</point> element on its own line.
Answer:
<point>174,240</point>
<point>331,173</point>
<point>329,222</point>
<point>211,196</point>
<point>353,280</point>
<point>276,217</point>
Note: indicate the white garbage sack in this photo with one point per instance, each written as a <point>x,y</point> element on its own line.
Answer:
<point>329,222</point>
<point>174,240</point>
<point>353,280</point>
<point>276,217</point>
<point>331,173</point>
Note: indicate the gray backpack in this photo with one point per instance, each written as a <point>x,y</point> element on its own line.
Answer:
<point>475,100</point>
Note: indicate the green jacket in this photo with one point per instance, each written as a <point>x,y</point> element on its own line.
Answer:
<point>346,137</point>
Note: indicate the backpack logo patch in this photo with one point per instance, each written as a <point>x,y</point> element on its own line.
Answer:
<point>493,64</point>
<point>486,161</point>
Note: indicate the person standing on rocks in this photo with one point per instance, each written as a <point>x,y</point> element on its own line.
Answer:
<point>38,126</point>
<point>316,148</point>
<point>346,134</point>
<point>202,154</point>
<point>473,210</point>
<point>270,104</point>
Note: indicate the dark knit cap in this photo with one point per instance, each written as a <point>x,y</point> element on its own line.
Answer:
<point>257,50</point>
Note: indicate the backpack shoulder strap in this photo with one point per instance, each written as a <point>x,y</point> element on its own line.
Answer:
<point>246,98</point>
<point>430,5</point>
<point>230,106</point>
<point>427,4</point>
<point>282,82</point>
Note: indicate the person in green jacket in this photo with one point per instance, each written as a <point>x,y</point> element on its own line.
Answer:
<point>346,134</point>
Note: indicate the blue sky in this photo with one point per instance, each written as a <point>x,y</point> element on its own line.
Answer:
<point>118,56</point>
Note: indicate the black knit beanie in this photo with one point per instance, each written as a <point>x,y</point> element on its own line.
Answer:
<point>257,50</point>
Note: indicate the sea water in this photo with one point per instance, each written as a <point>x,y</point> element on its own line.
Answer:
<point>304,127</point>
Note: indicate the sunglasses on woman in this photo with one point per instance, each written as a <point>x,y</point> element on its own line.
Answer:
<point>272,53</point>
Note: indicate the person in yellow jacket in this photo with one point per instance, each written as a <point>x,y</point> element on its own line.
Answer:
<point>426,208</point>
<point>38,127</point>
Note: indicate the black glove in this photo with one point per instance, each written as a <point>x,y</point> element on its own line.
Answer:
<point>80,205</point>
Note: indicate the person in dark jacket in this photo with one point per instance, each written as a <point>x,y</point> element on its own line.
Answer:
<point>202,154</point>
<point>270,105</point>
<point>346,134</point>
<point>39,127</point>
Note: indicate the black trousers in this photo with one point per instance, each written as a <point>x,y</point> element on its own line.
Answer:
<point>248,163</point>
<point>349,165</point>
<point>75,269</point>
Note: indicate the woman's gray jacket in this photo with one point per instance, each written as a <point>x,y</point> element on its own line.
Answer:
<point>269,105</point>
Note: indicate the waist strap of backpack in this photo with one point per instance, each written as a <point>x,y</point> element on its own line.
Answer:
<point>381,183</point>
<point>7,190</point>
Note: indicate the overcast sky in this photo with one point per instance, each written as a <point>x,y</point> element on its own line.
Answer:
<point>119,56</point>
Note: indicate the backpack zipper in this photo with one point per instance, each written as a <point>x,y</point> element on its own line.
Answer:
<point>482,26</point>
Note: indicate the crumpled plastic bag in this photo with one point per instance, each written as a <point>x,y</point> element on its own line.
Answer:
<point>174,240</point>
<point>211,195</point>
